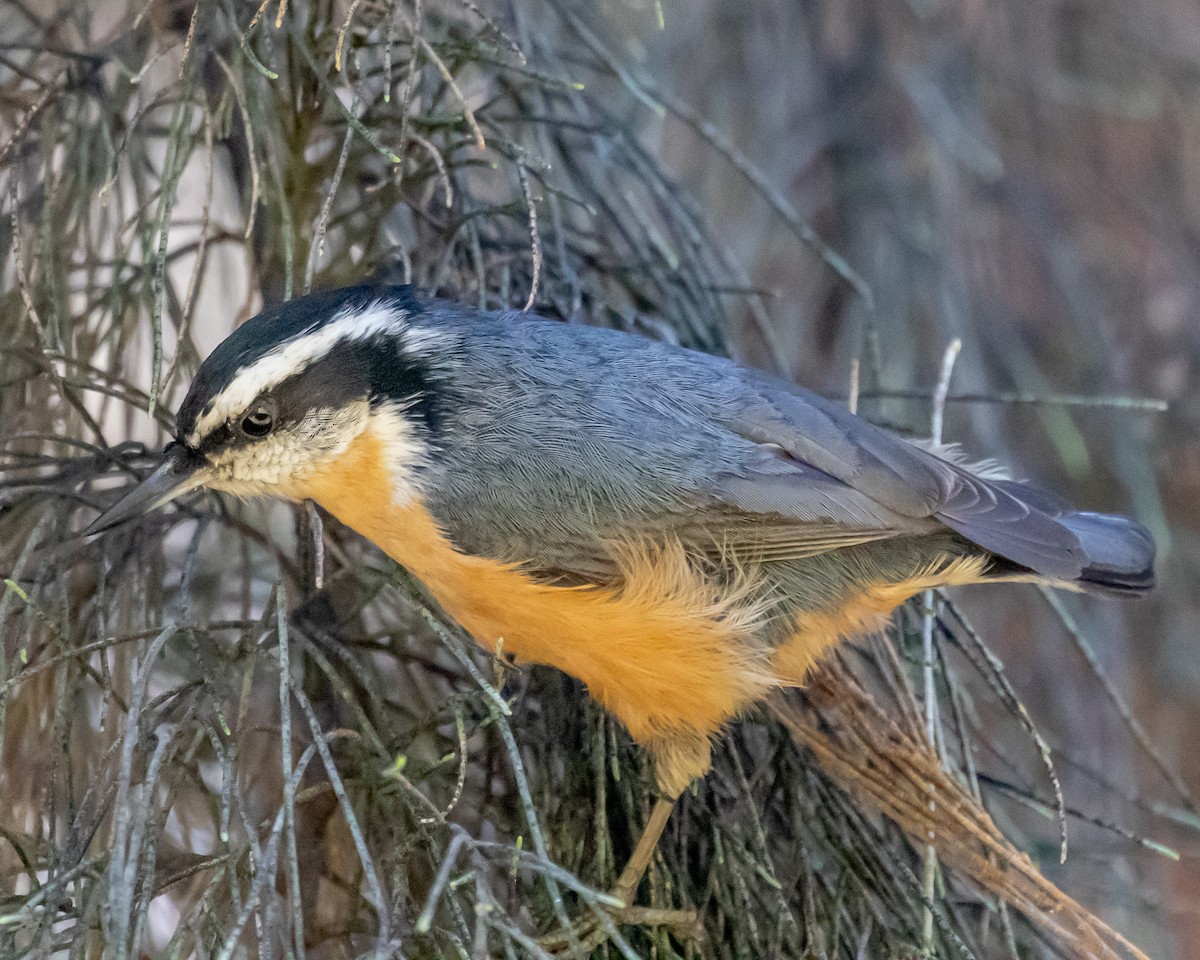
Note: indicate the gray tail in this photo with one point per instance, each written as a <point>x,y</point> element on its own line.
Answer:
<point>1120,553</point>
<point>1027,529</point>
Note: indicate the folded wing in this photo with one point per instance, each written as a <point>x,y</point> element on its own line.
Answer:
<point>816,463</point>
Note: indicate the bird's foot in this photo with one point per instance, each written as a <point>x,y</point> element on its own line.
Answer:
<point>591,931</point>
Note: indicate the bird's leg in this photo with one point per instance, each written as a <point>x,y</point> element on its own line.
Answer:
<point>639,861</point>
<point>590,933</point>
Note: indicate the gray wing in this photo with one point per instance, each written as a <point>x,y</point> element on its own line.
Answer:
<point>570,435</point>
<point>906,486</point>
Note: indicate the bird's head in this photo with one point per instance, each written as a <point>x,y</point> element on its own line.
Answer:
<point>277,403</point>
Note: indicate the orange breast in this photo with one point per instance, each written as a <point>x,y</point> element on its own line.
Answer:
<point>667,653</point>
<point>670,653</point>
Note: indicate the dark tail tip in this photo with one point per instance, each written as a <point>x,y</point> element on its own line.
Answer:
<point>1120,554</point>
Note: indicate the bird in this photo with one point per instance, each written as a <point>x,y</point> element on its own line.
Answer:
<point>681,533</point>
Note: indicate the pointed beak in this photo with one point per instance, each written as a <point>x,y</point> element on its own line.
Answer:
<point>178,472</point>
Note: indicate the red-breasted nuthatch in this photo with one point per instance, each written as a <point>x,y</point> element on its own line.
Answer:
<point>678,532</point>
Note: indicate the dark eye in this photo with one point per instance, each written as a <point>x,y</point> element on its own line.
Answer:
<point>258,420</point>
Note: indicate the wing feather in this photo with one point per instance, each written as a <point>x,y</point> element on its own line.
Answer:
<point>567,436</point>
<point>837,467</point>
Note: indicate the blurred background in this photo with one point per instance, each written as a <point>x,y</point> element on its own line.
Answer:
<point>816,188</point>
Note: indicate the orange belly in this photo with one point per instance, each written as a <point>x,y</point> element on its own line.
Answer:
<point>672,655</point>
<point>666,653</point>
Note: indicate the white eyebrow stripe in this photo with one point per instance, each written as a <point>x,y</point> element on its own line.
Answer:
<point>296,355</point>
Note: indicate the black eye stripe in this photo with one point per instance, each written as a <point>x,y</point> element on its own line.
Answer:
<point>279,324</point>
<point>375,371</point>
<point>217,438</point>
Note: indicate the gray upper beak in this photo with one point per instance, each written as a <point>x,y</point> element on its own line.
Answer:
<point>176,474</point>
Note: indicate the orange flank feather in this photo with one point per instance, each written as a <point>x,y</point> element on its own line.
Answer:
<point>670,652</point>
<point>816,631</point>
<point>636,646</point>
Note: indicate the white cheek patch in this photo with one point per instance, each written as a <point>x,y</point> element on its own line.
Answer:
<point>268,467</point>
<point>404,451</point>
